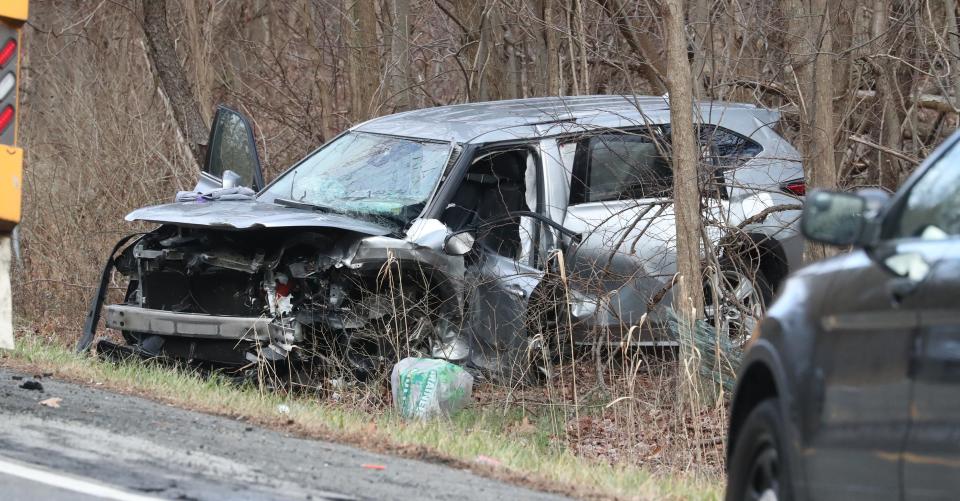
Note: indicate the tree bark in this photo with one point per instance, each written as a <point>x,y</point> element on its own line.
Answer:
<point>173,80</point>
<point>364,67</point>
<point>686,192</point>
<point>820,165</point>
<point>551,61</point>
<point>888,170</point>
<point>700,18</point>
<point>401,79</point>
<point>582,44</point>
<point>953,42</point>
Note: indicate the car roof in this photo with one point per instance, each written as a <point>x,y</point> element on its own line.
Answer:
<point>531,118</point>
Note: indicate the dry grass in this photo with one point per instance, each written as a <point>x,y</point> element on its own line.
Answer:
<point>522,438</point>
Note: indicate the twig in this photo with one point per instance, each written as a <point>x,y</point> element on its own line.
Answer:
<point>895,153</point>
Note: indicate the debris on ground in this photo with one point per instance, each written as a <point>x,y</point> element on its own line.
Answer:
<point>373,466</point>
<point>17,378</point>
<point>425,387</point>
<point>487,460</point>
<point>283,409</point>
<point>52,402</point>
<point>31,384</point>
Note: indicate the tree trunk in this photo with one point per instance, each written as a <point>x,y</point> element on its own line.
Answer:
<point>582,45</point>
<point>888,170</point>
<point>950,8</point>
<point>820,165</point>
<point>401,81</point>
<point>364,67</point>
<point>550,60</point>
<point>173,80</point>
<point>700,18</point>
<point>686,192</point>
<point>797,47</point>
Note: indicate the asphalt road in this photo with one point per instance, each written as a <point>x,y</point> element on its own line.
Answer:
<point>101,445</point>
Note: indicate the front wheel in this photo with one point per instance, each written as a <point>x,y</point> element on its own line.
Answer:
<point>759,468</point>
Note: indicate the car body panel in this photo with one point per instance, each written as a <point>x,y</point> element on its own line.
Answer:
<point>864,356</point>
<point>243,215</point>
<point>865,398</point>
<point>534,118</point>
<point>932,454</point>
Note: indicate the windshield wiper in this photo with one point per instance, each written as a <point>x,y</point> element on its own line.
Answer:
<point>296,204</point>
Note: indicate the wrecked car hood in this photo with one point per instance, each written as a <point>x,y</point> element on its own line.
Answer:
<point>244,215</point>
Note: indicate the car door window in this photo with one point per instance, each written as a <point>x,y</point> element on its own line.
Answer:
<point>620,166</point>
<point>931,209</point>
<point>727,148</point>
<point>232,147</point>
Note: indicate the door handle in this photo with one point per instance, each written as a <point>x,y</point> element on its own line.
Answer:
<point>516,290</point>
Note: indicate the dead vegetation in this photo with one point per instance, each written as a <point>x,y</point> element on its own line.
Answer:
<point>102,137</point>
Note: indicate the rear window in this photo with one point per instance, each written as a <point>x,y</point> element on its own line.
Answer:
<point>722,147</point>
<point>729,149</point>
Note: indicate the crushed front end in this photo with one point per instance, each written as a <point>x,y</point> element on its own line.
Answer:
<point>307,296</point>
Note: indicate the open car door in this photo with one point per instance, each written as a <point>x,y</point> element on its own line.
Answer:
<point>232,159</point>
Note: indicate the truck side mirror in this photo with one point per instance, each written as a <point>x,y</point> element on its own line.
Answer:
<point>834,218</point>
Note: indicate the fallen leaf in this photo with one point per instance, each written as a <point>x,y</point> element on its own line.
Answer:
<point>52,402</point>
<point>487,460</point>
<point>524,426</point>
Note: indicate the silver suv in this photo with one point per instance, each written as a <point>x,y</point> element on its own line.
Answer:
<point>480,233</point>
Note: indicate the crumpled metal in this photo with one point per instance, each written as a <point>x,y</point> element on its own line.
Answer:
<point>223,194</point>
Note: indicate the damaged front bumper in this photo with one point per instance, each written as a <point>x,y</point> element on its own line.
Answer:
<point>197,325</point>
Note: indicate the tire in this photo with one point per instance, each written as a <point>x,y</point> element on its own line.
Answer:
<point>746,311</point>
<point>759,466</point>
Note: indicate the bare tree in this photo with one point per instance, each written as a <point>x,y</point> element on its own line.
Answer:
<point>401,80</point>
<point>686,192</point>
<point>364,68</point>
<point>173,81</point>
<point>820,165</point>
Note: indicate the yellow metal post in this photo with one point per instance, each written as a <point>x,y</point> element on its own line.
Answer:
<point>13,13</point>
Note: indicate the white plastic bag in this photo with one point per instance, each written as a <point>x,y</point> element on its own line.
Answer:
<point>426,387</point>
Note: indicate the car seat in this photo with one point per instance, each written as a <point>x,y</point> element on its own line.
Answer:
<point>492,188</point>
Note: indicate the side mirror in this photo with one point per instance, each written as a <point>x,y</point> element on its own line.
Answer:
<point>459,243</point>
<point>834,218</point>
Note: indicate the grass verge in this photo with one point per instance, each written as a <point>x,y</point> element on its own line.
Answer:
<point>522,454</point>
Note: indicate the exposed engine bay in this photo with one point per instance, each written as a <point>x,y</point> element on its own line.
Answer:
<point>328,296</point>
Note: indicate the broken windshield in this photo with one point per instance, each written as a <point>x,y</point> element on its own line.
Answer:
<point>367,174</point>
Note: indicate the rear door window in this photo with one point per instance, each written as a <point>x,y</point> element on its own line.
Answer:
<point>620,166</point>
